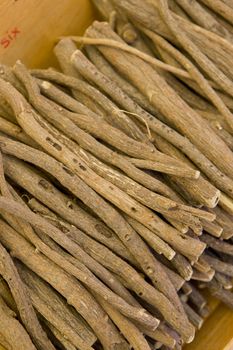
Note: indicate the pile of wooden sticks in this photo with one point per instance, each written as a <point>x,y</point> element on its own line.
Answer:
<point>116,181</point>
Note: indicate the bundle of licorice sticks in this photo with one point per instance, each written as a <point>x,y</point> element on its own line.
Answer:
<point>116,181</point>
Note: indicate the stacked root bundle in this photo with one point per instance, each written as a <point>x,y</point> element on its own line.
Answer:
<point>116,180</point>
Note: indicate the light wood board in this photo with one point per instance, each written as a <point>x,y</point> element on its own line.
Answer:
<point>30,28</point>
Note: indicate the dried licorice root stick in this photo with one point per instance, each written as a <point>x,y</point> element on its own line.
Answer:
<point>134,281</point>
<point>120,227</point>
<point>164,231</point>
<point>196,298</point>
<point>88,261</point>
<point>127,328</point>
<point>71,289</point>
<point>206,41</point>
<point>121,24</point>
<point>40,246</point>
<point>86,266</point>
<point>203,61</point>
<point>97,78</point>
<point>54,147</point>
<point>118,288</point>
<point>176,280</point>
<point>117,265</point>
<point>192,125</point>
<point>12,332</point>
<point>160,128</point>
<point>196,192</point>
<point>212,228</point>
<point>206,88</point>
<point>92,264</point>
<point>217,291</point>
<point>193,316</point>
<point>204,18</point>
<point>152,240</point>
<point>224,220</point>
<point>56,320</point>
<point>53,246</point>
<point>23,302</point>
<point>102,233</point>
<point>110,112</point>
<point>77,236</point>
<point>66,344</point>
<point>170,135</point>
<point>182,266</point>
<point>226,203</point>
<point>203,276</point>
<point>27,314</point>
<point>87,141</point>
<point>167,207</point>
<point>177,241</point>
<point>218,245</point>
<point>224,134</point>
<point>42,224</point>
<point>43,190</point>
<point>16,132</point>
<point>220,8</point>
<point>220,266</point>
<point>96,295</point>
<point>113,113</point>
<point>53,307</point>
<point>51,166</point>
<point>8,75</point>
<point>225,281</point>
<point>116,138</point>
<point>79,85</point>
<point>100,129</point>
<point>63,51</point>
<point>202,264</point>
<point>39,222</point>
<point>5,293</point>
<point>167,169</point>
<point>104,67</point>
<point>160,335</point>
<point>30,182</point>
<point>129,49</point>
<point>158,187</point>
<point>6,112</point>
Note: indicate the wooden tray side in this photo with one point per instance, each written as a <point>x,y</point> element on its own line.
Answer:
<point>28,31</point>
<point>216,333</point>
<point>30,28</point>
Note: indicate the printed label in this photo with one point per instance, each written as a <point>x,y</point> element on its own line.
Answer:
<point>9,37</point>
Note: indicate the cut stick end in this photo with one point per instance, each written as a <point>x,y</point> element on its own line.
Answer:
<point>171,255</point>
<point>197,174</point>
<point>213,202</point>
<point>156,324</point>
<point>200,324</point>
<point>46,85</point>
<point>74,56</point>
<point>190,338</point>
